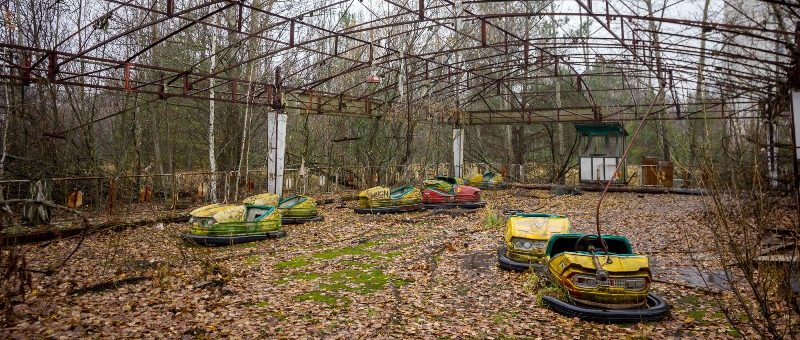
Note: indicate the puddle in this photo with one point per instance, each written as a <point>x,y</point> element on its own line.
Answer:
<point>711,279</point>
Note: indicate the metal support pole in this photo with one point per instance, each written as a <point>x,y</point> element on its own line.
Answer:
<point>276,135</point>
<point>772,157</point>
<point>458,152</point>
<point>277,149</point>
<point>795,95</point>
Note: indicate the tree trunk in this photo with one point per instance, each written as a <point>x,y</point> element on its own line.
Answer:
<point>245,128</point>
<point>212,161</point>
<point>4,131</point>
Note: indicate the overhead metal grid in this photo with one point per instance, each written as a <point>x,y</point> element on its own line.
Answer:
<point>495,59</point>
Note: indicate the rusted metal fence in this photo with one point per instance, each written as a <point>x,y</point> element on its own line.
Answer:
<point>153,192</point>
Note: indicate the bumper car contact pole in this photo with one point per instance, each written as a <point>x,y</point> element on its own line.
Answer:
<point>616,170</point>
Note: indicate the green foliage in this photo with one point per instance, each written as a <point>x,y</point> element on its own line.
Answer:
<point>490,218</point>
<point>532,281</point>
<point>555,291</point>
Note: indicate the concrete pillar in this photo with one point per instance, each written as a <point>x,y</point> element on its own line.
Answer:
<point>276,130</point>
<point>458,152</point>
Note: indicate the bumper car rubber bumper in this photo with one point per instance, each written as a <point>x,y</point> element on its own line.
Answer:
<point>218,241</point>
<point>506,263</point>
<point>450,205</point>
<point>657,309</point>
<point>390,210</point>
<point>300,220</point>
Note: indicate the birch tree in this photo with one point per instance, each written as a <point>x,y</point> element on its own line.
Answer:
<point>212,161</point>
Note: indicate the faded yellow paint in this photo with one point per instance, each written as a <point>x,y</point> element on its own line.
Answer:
<point>564,266</point>
<point>382,197</point>
<point>210,210</point>
<point>534,228</point>
<point>262,199</point>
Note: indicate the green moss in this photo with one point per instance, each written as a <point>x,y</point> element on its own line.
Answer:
<point>358,264</point>
<point>251,260</point>
<point>697,315</point>
<point>734,333</point>
<point>299,276</point>
<point>401,282</point>
<point>323,297</point>
<point>359,250</point>
<point>296,262</point>
<point>353,280</point>
<point>392,254</point>
<point>690,300</point>
<point>499,318</point>
<point>360,281</point>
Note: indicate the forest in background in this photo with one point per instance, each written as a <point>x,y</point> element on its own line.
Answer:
<point>53,130</point>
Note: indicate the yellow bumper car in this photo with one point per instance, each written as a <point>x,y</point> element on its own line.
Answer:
<point>603,283</point>
<point>229,224</point>
<point>382,200</point>
<point>525,239</point>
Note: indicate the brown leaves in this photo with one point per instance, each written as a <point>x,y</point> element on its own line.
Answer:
<point>352,276</point>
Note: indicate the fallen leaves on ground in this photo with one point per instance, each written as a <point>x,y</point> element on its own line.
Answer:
<point>409,275</point>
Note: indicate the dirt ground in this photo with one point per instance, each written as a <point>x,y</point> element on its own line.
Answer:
<point>412,275</point>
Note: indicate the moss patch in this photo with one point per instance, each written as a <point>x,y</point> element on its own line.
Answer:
<point>299,276</point>
<point>251,260</point>
<point>296,262</point>
<point>734,333</point>
<point>323,297</point>
<point>689,300</point>
<point>351,280</point>
<point>697,315</point>
<point>359,250</point>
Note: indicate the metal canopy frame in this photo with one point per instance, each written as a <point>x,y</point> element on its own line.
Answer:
<point>745,63</point>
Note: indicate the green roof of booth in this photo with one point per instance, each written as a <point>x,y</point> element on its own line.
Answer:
<point>614,128</point>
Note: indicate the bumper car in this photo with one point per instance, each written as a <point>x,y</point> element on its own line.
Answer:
<point>606,284</point>
<point>298,209</point>
<point>271,200</point>
<point>489,180</point>
<point>382,200</point>
<point>526,238</point>
<point>229,224</point>
<point>450,192</point>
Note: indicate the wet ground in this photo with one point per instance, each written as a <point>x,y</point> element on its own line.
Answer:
<point>411,275</point>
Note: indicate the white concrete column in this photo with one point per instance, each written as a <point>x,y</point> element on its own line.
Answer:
<point>276,135</point>
<point>458,152</point>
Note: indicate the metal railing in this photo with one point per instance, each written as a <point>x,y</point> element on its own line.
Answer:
<point>128,193</point>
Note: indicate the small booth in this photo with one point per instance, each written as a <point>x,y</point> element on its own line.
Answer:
<point>601,146</point>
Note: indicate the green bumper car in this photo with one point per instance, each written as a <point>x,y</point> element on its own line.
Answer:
<point>382,200</point>
<point>298,209</point>
<point>229,224</point>
<point>489,180</point>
